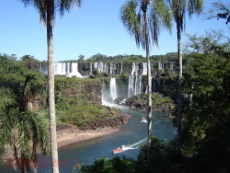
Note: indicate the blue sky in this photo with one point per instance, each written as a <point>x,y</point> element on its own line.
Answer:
<point>94,28</point>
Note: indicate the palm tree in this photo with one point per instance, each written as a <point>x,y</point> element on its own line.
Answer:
<point>178,8</point>
<point>134,15</point>
<point>19,127</point>
<point>20,130</point>
<point>47,10</point>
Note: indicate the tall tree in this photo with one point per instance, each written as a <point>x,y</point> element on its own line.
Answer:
<point>145,24</point>
<point>178,8</point>
<point>19,127</point>
<point>47,10</point>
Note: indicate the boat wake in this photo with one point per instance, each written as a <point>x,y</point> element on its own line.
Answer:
<point>143,120</point>
<point>133,146</point>
<point>128,147</point>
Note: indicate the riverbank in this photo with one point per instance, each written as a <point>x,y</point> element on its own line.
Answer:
<point>72,135</point>
<point>67,135</point>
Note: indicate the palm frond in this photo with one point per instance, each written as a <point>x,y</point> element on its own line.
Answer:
<point>65,5</point>
<point>41,6</point>
<point>27,2</point>
<point>163,13</point>
<point>155,28</point>
<point>132,19</point>
<point>195,6</point>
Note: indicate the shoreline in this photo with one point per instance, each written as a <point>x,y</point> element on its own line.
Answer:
<point>72,136</point>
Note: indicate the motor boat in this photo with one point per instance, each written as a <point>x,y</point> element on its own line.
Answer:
<point>118,150</point>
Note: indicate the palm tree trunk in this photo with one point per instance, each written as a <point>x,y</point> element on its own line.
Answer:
<point>179,46</point>
<point>149,86</point>
<point>53,141</point>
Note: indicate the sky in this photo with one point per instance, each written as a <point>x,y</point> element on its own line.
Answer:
<point>94,28</point>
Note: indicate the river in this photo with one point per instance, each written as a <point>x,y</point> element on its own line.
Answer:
<point>134,132</point>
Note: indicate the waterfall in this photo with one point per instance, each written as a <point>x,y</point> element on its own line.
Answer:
<point>138,85</point>
<point>106,68</point>
<point>133,68</point>
<point>130,86</point>
<point>60,68</point>
<point>113,88</point>
<point>67,68</point>
<point>135,81</point>
<point>112,69</point>
<point>73,70</point>
<point>43,68</point>
<point>99,66</point>
<point>144,70</point>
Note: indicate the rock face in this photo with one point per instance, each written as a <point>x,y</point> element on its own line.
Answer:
<point>87,89</point>
<point>111,122</point>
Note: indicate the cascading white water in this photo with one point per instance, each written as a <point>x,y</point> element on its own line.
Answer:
<point>112,68</point>
<point>43,68</point>
<point>67,68</point>
<point>138,85</point>
<point>133,68</point>
<point>113,88</point>
<point>73,70</point>
<point>144,71</point>
<point>135,80</point>
<point>98,66</point>
<point>130,86</point>
<point>60,68</point>
<point>106,68</point>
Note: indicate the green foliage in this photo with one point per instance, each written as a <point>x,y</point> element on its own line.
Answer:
<point>23,130</point>
<point>132,16</point>
<point>207,114</point>
<point>105,165</point>
<point>19,84</point>
<point>85,113</point>
<point>163,158</point>
<point>77,101</point>
<point>157,99</point>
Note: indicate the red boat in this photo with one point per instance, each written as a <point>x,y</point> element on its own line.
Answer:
<point>117,150</point>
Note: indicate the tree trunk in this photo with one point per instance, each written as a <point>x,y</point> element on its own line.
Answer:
<point>149,118</point>
<point>53,141</point>
<point>179,46</point>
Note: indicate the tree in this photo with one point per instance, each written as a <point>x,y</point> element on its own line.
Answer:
<point>20,127</point>
<point>47,10</point>
<point>81,57</point>
<point>134,15</point>
<point>206,124</point>
<point>219,10</point>
<point>178,8</point>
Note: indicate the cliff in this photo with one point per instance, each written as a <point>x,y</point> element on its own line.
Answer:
<point>77,89</point>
